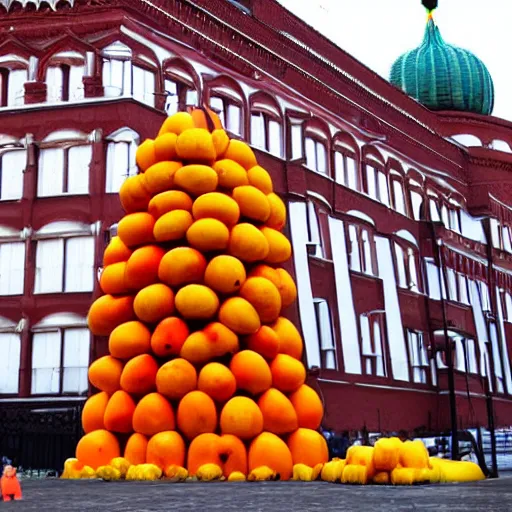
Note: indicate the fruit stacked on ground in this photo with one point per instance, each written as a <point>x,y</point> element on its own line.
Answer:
<point>204,368</point>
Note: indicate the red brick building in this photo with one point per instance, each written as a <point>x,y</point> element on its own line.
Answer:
<point>400,217</point>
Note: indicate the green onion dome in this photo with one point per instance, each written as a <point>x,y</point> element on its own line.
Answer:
<point>444,77</point>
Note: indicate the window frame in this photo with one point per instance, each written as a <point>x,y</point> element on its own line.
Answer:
<point>423,369</point>
<point>409,251</point>
<point>270,113</point>
<point>61,331</point>
<point>317,301</point>
<point>363,265</point>
<point>346,154</point>
<point>374,317</point>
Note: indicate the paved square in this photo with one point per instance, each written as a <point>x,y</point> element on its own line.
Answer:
<point>64,495</point>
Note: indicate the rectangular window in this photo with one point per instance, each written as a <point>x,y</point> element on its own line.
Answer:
<point>398,195</point>
<point>355,256</point>
<point>229,112</point>
<point>65,265</point>
<point>60,361</point>
<point>495,233</point>
<point>117,77</point>
<point>417,203</point>
<point>12,90</point>
<point>297,146</point>
<point>266,133</point>
<point>463,289</point>
<point>434,210</point>
<point>362,250</point>
<point>314,245</point>
<point>325,334</point>
<point>10,363</point>
<point>452,285</point>
<point>64,171</point>
<point>12,268</point>
<point>507,241</point>
<point>120,164</point>
<point>401,269</point>
<point>372,344</point>
<point>316,155</point>
<point>383,188</point>
<point>435,289</point>
<point>418,356</point>
<point>12,169</point>
<point>371,182</point>
<point>346,170</point>
<point>143,86</point>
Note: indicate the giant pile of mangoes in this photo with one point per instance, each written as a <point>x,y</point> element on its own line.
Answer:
<point>204,377</point>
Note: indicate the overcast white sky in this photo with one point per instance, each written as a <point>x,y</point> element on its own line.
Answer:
<point>377,34</point>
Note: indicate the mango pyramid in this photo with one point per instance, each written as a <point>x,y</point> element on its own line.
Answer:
<point>203,368</point>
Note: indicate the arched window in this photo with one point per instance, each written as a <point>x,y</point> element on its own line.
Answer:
<point>376,179</point>
<point>60,355</point>
<point>417,198</point>
<point>266,125</point>
<point>362,249</point>
<point>12,261</point>
<point>64,164</point>
<point>64,77</point>
<point>228,102</point>
<point>397,192</point>
<point>346,164</point>
<point>407,261</point>
<point>64,258</point>
<point>126,74</point>
<point>13,161</point>
<point>325,334</point>
<point>317,212</point>
<point>13,75</point>
<point>10,342</point>
<point>121,148</point>
<point>181,87</point>
<point>316,145</point>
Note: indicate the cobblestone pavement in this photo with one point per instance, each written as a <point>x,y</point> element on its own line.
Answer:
<point>59,495</point>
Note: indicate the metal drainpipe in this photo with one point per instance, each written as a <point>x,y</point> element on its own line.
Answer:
<point>448,348</point>
<point>489,398</point>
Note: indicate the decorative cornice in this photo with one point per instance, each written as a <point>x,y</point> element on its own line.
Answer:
<point>8,4</point>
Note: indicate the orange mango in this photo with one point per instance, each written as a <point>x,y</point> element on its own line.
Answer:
<point>93,412</point>
<point>136,229</point>
<point>196,144</point>
<point>208,235</point>
<point>154,303</point>
<point>260,178</point>
<point>166,449</point>
<point>160,176</point>
<point>134,194</point>
<point>129,339</point>
<point>97,449</point>
<point>290,340</point>
<point>115,252</point>
<point>277,217</point>
<point>288,374</point>
<point>220,142</point>
<point>279,416</point>
<point>241,417</point>
<point>230,174</point>
<point>112,279</point>
<point>239,315</point>
<point>264,341</point>
<point>196,414</point>
<point>169,336</point>
<point>153,414</point>
<point>145,155</point>
<point>251,372</point>
<point>308,447</point>
<point>225,274</point>
<point>177,123</point>
<point>135,449</point>
<point>119,412</point>
<point>142,267</point>
<point>248,243</point>
<point>253,203</point>
<point>196,179</point>
<point>168,201</point>
<point>176,378</point>
<point>216,205</point>
<point>241,153</point>
<point>280,249</point>
<point>165,147</point>
<point>196,301</point>
<point>105,374</point>
<point>107,312</point>
<point>217,381</point>
<point>139,375</point>
<point>182,265</point>
<point>308,406</point>
<point>271,451</point>
<point>263,295</point>
<point>172,226</point>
